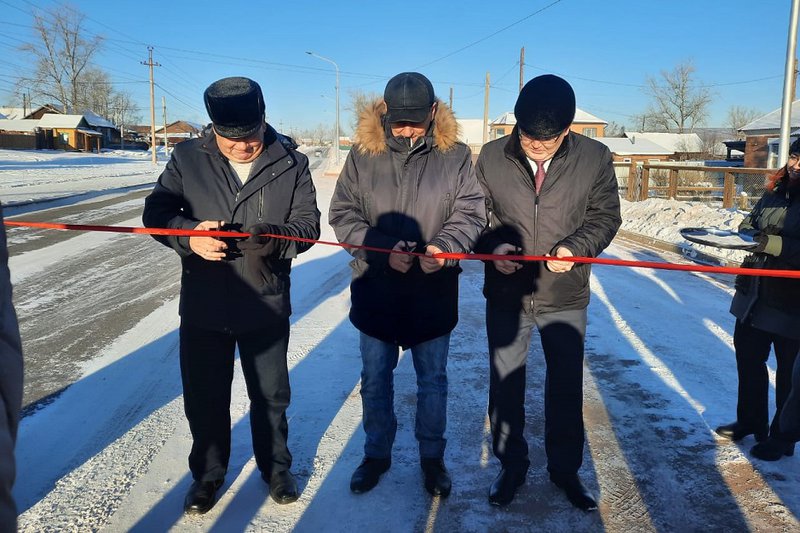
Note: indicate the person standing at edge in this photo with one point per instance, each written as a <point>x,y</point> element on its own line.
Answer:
<point>10,389</point>
<point>767,312</point>
<point>235,294</point>
<point>548,192</point>
<point>408,184</point>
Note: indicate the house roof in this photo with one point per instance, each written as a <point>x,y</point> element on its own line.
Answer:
<point>633,146</point>
<point>675,142</point>
<point>19,125</point>
<point>97,121</point>
<point>13,113</point>
<point>61,121</point>
<point>770,121</point>
<point>471,130</point>
<point>581,117</point>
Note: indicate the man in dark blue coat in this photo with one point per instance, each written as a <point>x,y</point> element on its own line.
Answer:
<point>242,176</point>
<point>10,389</point>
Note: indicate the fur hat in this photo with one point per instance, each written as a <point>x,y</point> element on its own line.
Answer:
<point>235,106</point>
<point>409,97</point>
<point>794,148</point>
<point>545,106</point>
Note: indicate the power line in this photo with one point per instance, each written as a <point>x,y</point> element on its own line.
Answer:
<point>501,30</point>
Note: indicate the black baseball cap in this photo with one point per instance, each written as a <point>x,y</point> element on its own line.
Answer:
<point>409,97</point>
<point>235,106</point>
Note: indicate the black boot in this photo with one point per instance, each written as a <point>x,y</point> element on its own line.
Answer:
<point>201,496</point>
<point>737,431</point>
<point>577,494</point>
<point>505,485</point>
<point>282,487</point>
<point>772,449</point>
<point>437,478</point>
<point>368,474</point>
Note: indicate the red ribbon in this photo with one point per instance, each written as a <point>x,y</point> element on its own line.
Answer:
<point>444,255</point>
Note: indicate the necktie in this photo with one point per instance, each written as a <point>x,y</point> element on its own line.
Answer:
<point>539,176</point>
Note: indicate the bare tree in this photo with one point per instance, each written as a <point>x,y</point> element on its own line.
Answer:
<point>124,110</point>
<point>359,100</point>
<point>614,130</point>
<point>62,55</point>
<point>739,117</point>
<point>678,103</point>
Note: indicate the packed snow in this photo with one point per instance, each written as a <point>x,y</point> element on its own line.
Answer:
<point>108,452</point>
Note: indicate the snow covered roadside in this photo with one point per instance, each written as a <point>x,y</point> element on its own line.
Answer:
<point>38,175</point>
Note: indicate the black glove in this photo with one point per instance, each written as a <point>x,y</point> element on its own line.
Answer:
<point>768,244</point>
<point>258,244</point>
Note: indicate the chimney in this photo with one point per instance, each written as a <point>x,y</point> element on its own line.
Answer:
<point>633,139</point>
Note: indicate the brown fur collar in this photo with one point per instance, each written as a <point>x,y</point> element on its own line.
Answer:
<point>370,138</point>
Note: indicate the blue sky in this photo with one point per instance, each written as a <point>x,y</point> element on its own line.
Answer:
<point>605,49</point>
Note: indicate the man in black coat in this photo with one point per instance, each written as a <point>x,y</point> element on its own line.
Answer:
<point>549,192</point>
<point>10,389</point>
<point>244,175</point>
<point>407,185</point>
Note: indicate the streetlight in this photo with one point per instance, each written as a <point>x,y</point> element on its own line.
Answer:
<point>336,140</point>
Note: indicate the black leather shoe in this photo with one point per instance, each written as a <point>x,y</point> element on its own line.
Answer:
<point>437,478</point>
<point>505,485</point>
<point>737,431</point>
<point>201,497</point>
<point>368,474</point>
<point>577,494</point>
<point>772,449</point>
<point>282,487</point>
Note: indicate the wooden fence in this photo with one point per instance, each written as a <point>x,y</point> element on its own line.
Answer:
<point>730,186</point>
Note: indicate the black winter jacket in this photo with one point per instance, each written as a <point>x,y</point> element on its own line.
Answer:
<point>245,291</point>
<point>388,193</point>
<point>772,304</point>
<point>578,208</point>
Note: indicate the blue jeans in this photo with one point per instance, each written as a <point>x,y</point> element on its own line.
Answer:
<point>377,395</point>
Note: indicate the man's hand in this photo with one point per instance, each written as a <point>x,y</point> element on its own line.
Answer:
<point>258,244</point>
<point>402,262</point>
<point>209,248</point>
<point>560,266</point>
<point>503,266</point>
<point>430,264</point>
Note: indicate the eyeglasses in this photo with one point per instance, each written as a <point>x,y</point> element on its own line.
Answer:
<point>547,142</point>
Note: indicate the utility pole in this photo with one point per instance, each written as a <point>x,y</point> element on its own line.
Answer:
<point>789,76</point>
<point>486,111</point>
<point>164,107</point>
<point>521,68</point>
<point>150,64</point>
<point>451,98</point>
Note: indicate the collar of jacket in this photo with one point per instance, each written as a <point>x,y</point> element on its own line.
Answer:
<point>275,154</point>
<point>513,148</point>
<point>370,135</point>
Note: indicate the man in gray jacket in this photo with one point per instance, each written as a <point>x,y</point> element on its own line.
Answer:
<point>407,185</point>
<point>550,192</point>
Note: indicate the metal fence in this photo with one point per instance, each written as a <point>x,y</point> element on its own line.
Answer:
<point>721,186</point>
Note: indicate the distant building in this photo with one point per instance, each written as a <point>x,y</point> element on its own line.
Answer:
<point>470,132</point>
<point>684,146</point>
<point>762,137</point>
<point>69,132</point>
<point>630,149</point>
<point>178,131</point>
<point>584,123</point>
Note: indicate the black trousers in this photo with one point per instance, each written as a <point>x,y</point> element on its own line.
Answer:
<point>752,347</point>
<point>562,334</point>
<point>207,364</point>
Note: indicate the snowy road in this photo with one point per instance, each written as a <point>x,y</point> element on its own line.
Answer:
<point>109,453</point>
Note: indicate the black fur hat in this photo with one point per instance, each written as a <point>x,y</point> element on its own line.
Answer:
<point>545,106</point>
<point>794,148</point>
<point>235,106</point>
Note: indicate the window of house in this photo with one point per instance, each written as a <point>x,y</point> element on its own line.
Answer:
<point>590,132</point>
<point>626,159</point>
<point>500,132</point>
